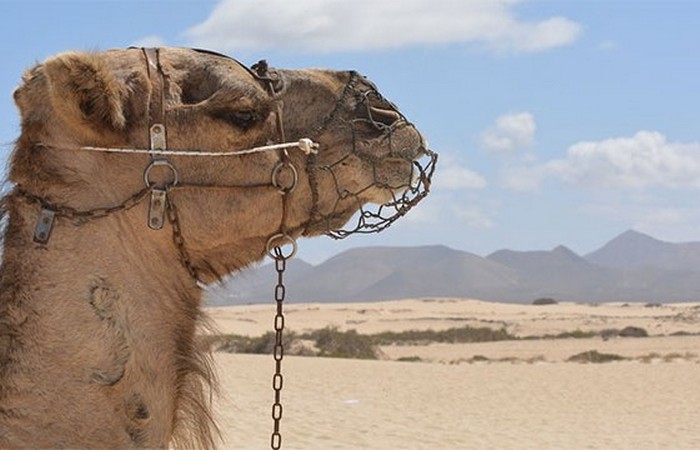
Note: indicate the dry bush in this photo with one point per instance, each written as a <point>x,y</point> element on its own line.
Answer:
<point>633,332</point>
<point>594,356</point>
<point>545,301</point>
<point>334,343</point>
<point>465,334</point>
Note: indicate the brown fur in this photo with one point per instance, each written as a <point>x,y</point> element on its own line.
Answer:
<point>98,327</point>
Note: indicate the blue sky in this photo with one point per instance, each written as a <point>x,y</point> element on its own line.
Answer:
<point>557,122</point>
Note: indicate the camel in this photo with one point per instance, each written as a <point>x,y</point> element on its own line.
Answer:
<point>113,224</point>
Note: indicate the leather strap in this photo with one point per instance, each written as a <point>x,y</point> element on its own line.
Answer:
<point>156,102</point>
<point>158,205</point>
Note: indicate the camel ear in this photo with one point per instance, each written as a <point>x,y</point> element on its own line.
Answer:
<point>85,92</point>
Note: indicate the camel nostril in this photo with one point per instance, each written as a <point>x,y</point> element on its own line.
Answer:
<point>386,117</point>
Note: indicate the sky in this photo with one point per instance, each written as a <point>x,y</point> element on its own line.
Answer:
<point>557,122</point>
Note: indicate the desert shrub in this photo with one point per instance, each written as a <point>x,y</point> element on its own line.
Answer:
<point>465,334</point>
<point>594,356</point>
<point>609,333</point>
<point>545,301</point>
<point>334,343</point>
<point>649,357</point>
<point>653,305</point>
<point>633,332</point>
<point>682,333</point>
<point>687,356</point>
<point>536,359</point>
<point>265,344</point>
<point>670,357</point>
<point>410,359</point>
<point>228,343</point>
<point>329,342</point>
<point>576,334</point>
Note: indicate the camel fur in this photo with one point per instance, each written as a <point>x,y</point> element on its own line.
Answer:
<point>99,325</point>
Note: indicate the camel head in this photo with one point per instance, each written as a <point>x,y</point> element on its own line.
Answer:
<point>225,208</point>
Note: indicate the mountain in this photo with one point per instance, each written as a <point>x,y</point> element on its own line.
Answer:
<point>559,273</point>
<point>633,249</point>
<point>631,267</point>
<point>434,271</point>
<point>245,286</point>
<point>376,273</point>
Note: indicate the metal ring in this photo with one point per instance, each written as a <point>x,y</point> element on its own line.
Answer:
<point>160,162</point>
<point>284,239</point>
<point>275,175</point>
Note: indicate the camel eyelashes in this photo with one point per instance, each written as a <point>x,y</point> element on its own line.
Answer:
<point>243,119</point>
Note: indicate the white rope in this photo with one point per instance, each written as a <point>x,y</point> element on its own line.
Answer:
<point>306,145</point>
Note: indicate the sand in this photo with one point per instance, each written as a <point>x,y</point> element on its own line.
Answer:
<point>525,396</point>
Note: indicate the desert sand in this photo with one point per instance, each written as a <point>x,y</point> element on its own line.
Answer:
<point>520,394</point>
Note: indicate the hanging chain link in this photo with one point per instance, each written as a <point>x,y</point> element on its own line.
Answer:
<point>278,352</point>
<point>275,249</point>
<point>179,239</point>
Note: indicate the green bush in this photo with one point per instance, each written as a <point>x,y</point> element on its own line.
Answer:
<point>265,344</point>
<point>333,343</point>
<point>594,356</point>
<point>545,301</point>
<point>465,334</point>
<point>576,334</point>
<point>633,332</point>
<point>410,359</point>
<point>609,333</point>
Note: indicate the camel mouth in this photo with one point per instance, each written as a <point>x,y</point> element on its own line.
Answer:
<point>384,202</point>
<point>402,171</point>
<point>380,168</point>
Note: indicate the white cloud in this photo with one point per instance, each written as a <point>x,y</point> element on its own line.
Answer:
<point>341,25</point>
<point>456,177</point>
<point>665,217</point>
<point>510,133</point>
<point>150,41</point>
<point>644,160</point>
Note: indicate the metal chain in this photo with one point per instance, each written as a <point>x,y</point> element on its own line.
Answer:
<point>82,216</point>
<point>278,352</point>
<point>179,239</point>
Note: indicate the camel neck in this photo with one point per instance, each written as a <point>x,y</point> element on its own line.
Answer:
<point>98,323</point>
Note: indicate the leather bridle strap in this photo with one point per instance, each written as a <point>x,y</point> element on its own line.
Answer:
<point>156,102</point>
<point>157,137</point>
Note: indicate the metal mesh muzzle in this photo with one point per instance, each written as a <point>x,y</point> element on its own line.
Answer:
<point>387,146</point>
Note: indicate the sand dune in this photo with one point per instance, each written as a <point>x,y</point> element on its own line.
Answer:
<point>449,403</point>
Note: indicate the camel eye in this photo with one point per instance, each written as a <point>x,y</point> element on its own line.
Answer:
<point>244,119</point>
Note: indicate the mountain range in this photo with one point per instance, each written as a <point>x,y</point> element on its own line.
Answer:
<point>632,267</point>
